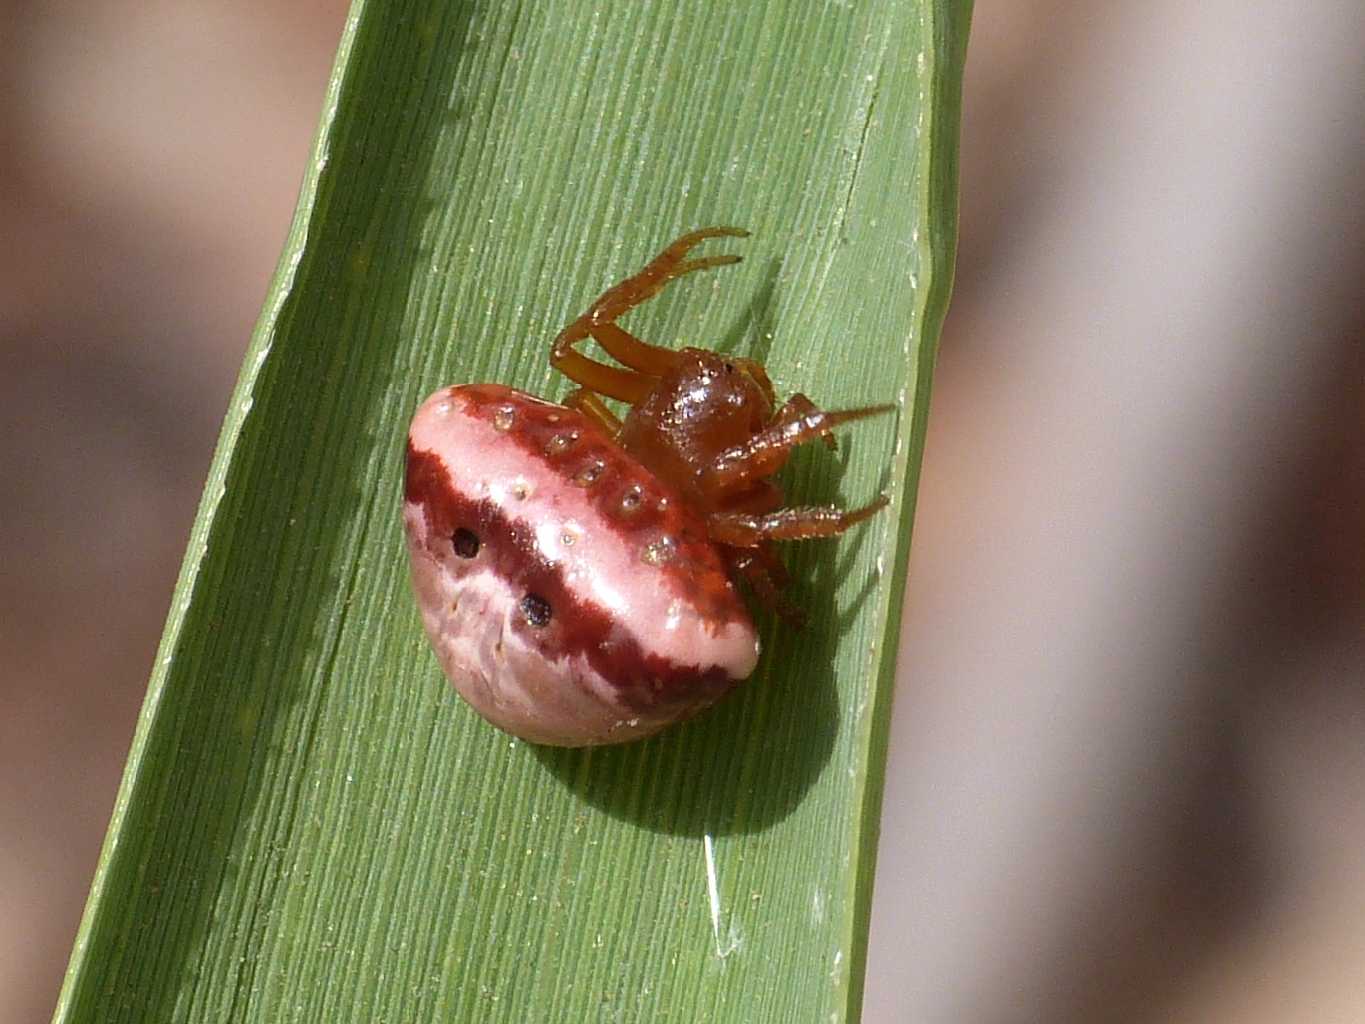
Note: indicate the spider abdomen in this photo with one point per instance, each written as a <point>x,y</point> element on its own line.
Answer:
<point>571,596</point>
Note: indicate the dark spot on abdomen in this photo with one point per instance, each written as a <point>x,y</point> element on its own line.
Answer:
<point>465,542</point>
<point>536,609</point>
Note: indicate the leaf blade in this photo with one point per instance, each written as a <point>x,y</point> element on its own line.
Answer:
<point>310,827</point>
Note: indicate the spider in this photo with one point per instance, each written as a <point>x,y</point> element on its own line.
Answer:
<point>575,571</point>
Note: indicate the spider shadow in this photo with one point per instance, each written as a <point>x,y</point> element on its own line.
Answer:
<point>834,564</point>
<point>740,767</point>
<point>756,322</point>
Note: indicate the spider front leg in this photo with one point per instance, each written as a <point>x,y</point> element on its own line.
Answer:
<point>800,522</point>
<point>762,455</point>
<point>644,363</point>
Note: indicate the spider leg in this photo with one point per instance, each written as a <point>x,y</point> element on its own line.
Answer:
<point>592,406</point>
<point>626,385</point>
<point>763,454</point>
<point>638,356</point>
<point>667,266</point>
<point>777,569</point>
<point>797,407</point>
<point>800,522</point>
<point>766,576</point>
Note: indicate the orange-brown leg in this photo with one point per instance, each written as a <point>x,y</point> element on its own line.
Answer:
<point>639,357</point>
<point>590,405</point>
<point>799,407</point>
<point>766,576</point>
<point>626,385</point>
<point>765,453</point>
<point>801,522</point>
<point>667,266</point>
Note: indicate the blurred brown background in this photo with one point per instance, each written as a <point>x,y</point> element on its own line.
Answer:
<point>1129,752</point>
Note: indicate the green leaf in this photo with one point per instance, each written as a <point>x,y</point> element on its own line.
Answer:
<point>312,827</point>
